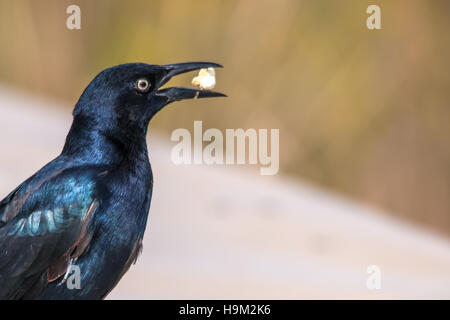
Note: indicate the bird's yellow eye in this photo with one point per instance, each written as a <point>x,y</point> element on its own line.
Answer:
<point>142,85</point>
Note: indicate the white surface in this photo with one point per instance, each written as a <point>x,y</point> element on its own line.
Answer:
<point>225,232</point>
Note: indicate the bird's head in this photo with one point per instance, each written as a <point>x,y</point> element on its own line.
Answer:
<point>124,98</point>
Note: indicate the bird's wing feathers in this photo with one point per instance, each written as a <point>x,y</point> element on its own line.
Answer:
<point>6,206</point>
<point>44,223</point>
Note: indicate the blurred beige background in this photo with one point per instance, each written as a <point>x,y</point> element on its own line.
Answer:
<point>363,114</point>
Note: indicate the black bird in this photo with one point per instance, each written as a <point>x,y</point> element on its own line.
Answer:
<point>89,206</point>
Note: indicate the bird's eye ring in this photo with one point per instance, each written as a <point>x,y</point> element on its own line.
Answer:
<point>142,85</point>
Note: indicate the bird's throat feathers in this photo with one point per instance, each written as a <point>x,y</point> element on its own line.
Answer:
<point>94,141</point>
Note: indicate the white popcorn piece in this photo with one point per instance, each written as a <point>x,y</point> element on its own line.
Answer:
<point>206,79</point>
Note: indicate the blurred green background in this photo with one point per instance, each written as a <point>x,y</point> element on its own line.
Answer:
<point>365,113</point>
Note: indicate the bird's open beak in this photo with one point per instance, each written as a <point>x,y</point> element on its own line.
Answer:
<point>180,93</point>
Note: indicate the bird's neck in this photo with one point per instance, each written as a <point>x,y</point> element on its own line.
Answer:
<point>90,143</point>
